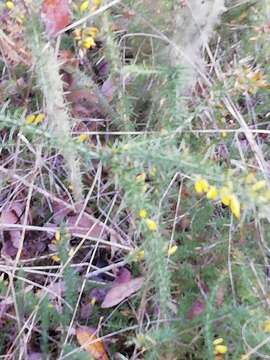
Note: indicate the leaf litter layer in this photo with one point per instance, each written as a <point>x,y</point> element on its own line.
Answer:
<point>134,175</point>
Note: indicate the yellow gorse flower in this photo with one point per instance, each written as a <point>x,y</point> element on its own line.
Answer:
<point>55,258</point>
<point>223,134</point>
<point>88,43</point>
<point>234,205</point>
<point>266,326</point>
<point>151,224</point>
<point>82,137</point>
<point>9,5</point>
<point>218,341</point>
<point>212,193</point>
<point>57,236</point>
<point>30,119</point>
<point>140,255</point>
<point>259,185</point>
<point>171,250</point>
<point>221,349</point>
<point>39,118</point>
<point>142,213</point>
<point>93,301</point>
<point>201,186</point>
<point>225,195</point>
<point>84,6</point>
<point>34,119</point>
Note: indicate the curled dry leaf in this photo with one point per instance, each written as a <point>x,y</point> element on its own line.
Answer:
<point>108,89</point>
<point>121,291</point>
<point>55,15</point>
<point>11,216</point>
<point>89,341</point>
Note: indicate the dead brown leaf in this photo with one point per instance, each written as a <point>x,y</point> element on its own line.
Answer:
<point>89,341</point>
<point>119,292</point>
<point>12,216</point>
<point>196,309</point>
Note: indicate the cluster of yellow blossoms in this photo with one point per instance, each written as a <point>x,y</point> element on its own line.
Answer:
<point>219,348</point>
<point>250,80</point>
<point>86,37</point>
<point>34,119</point>
<point>224,194</point>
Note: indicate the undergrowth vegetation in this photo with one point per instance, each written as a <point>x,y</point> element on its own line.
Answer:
<point>134,203</point>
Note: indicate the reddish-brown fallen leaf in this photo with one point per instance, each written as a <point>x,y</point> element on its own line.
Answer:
<point>108,89</point>
<point>11,216</point>
<point>123,276</point>
<point>196,309</point>
<point>55,15</point>
<point>89,341</point>
<point>119,292</point>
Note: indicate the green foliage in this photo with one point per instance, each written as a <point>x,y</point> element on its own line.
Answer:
<point>158,138</point>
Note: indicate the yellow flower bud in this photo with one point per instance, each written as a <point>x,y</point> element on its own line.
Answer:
<point>57,235</point>
<point>218,341</point>
<point>9,5</point>
<point>223,134</point>
<point>221,349</point>
<point>140,255</point>
<point>201,186</point>
<point>90,31</point>
<point>93,301</point>
<point>96,2</point>
<point>141,177</point>
<point>84,6</point>
<point>259,185</point>
<point>55,258</point>
<point>172,250</point>
<point>235,206</point>
<point>142,213</point>
<point>225,195</point>
<point>151,224</point>
<point>225,199</point>
<point>82,138</point>
<point>88,43</point>
<point>30,119</point>
<point>212,193</point>
<point>39,118</point>
<point>266,326</point>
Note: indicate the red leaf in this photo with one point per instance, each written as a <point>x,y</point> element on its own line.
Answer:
<point>55,15</point>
